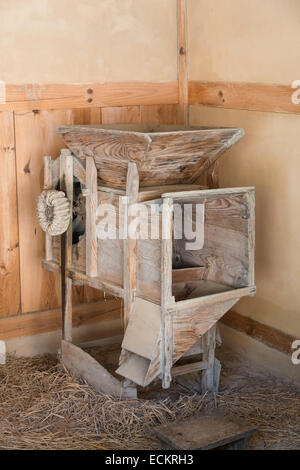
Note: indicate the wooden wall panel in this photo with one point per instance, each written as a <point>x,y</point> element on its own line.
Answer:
<point>150,114</point>
<point>162,114</point>
<point>121,115</point>
<point>9,241</point>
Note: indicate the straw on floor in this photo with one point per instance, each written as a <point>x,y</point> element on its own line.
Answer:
<point>42,406</point>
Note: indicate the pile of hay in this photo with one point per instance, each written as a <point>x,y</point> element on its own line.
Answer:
<point>42,406</point>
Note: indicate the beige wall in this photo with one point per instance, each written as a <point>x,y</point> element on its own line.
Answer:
<point>70,41</point>
<point>268,157</point>
<point>258,41</point>
<point>244,40</point>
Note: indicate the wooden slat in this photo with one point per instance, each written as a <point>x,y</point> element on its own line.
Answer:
<point>188,368</point>
<point>64,96</point>
<point>182,60</point>
<point>166,292</point>
<point>129,246</point>
<point>208,355</point>
<point>30,324</point>
<point>48,185</point>
<point>91,208</point>
<point>86,367</point>
<point>66,185</point>
<point>268,335</point>
<point>9,240</point>
<point>249,96</point>
<point>121,115</point>
<point>215,298</point>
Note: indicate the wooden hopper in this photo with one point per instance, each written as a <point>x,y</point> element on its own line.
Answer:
<point>164,155</point>
<point>172,295</point>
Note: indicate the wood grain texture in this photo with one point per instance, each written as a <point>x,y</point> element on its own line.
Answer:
<point>182,60</point>
<point>129,246</point>
<point>268,335</point>
<point>208,355</point>
<point>248,96</point>
<point>90,228</point>
<point>86,367</point>
<point>121,115</point>
<point>66,185</point>
<point>48,184</point>
<point>160,114</point>
<point>30,324</point>
<point>228,251</point>
<point>163,155</point>
<point>9,237</point>
<point>166,293</point>
<point>190,324</point>
<point>66,96</point>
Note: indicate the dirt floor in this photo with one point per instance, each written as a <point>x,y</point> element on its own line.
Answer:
<point>43,407</point>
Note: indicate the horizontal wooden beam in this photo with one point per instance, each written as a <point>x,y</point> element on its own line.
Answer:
<point>272,337</point>
<point>188,368</point>
<point>90,95</point>
<point>248,96</point>
<point>30,324</point>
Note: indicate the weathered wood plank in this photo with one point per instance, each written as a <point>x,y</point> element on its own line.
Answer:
<point>268,335</point>
<point>30,324</point>
<point>85,366</point>
<point>9,239</point>
<point>191,324</point>
<point>188,368</point>
<point>205,431</point>
<point>90,227</point>
<point>64,96</point>
<point>48,185</point>
<point>129,247</point>
<point>163,155</point>
<point>66,185</point>
<point>166,293</point>
<point>249,96</point>
<point>208,355</point>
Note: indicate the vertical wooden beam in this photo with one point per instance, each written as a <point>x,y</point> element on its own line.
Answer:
<point>208,346</point>
<point>166,293</point>
<point>48,185</point>
<point>66,185</point>
<point>251,237</point>
<point>9,237</point>
<point>182,60</point>
<point>129,268</point>
<point>91,208</point>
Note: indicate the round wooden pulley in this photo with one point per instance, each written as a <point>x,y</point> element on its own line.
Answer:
<point>54,211</point>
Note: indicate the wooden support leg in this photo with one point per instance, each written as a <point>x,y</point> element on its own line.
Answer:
<point>48,185</point>
<point>209,345</point>
<point>129,268</point>
<point>66,185</point>
<point>91,208</point>
<point>166,293</point>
